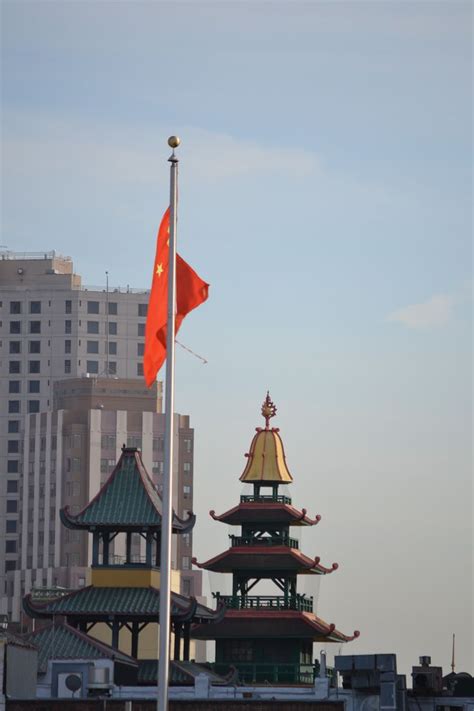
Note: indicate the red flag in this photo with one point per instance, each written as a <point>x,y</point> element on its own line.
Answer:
<point>191,291</point>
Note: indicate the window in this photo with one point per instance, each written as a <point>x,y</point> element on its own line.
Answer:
<point>113,308</point>
<point>92,307</point>
<point>188,445</point>
<point>76,465</point>
<point>35,347</point>
<point>92,366</point>
<point>34,386</point>
<point>140,329</point>
<point>67,346</point>
<point>11,526</point>
<point>67,326</point>
<point>186,562</point>
<point>158,444</point>
<point>35,326</point>
<point>158,467</point>
<point>13,446</point>
<point>112,367</point>
<point>14,386</point>
<point>13,407</point>
<point>15,326</point>
<point>112,328</point>
<point>67,367</point>
<point>112,347</point>
<point>35,307</point>
<point>14,367</point>
<point>187,492</point>
<point>12,506</point>
<point>92,327</point>
<point>186,587</point>
<point>103,466</point>
<point>15,307</point>
<point>108,442</point>
<point>12,466</point>
<point>13,426</point>
<point>139,368</point>
<point>68,306</point>
<point>92,346</point>
<point>10,546</point>
<point>187,467</point>
<point>15,347</point>
<point>34,366</point>
<point>12,486</point>
<point>134,441</point>
<point>10,565</point>
<point>142,309</point>
<point>33,405</point>
<point>140,349</point>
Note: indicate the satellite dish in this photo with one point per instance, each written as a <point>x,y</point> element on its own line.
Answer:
<point>73,682</point>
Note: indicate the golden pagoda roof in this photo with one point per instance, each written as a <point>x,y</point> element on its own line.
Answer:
<point>266,458</point>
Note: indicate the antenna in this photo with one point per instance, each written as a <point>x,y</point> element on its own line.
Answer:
<point>453,663</point>
<point>106,324</point>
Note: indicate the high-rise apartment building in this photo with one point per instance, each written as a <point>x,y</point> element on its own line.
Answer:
<point>67,454</point>
<point>53,328</point>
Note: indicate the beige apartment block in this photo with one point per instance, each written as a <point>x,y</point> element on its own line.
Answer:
<point>71,393</point>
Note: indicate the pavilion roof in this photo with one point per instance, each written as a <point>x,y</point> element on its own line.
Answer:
<point>128,500</point>
<point>278,624</point>
<point>98,603</point>
<point>266,457</point>
<point>265,558</point>
<point>61,641</point>
<point>265,512</point>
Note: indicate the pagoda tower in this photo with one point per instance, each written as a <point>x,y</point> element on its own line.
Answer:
<point>124,594</point>
<point>267,638</point>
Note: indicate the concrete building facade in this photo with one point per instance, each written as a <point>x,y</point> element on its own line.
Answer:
<point>52,328</point>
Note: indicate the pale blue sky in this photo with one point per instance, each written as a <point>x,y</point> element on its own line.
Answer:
<point>325,186</point>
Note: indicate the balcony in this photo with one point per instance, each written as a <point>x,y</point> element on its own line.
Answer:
<point>264,541</point>
<point>300,603</point>
<point>260,673</point>
<point>265,499</point>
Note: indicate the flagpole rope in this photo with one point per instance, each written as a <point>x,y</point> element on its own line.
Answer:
<point>204,361</point>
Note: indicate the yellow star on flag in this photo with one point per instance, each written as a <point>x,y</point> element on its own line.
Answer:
<point>159,269</point>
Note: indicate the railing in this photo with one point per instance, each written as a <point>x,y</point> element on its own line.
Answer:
<point>8,254</point>
<point>279,499</point>
<point>115,289</point>
<point>49,593</point>
<point>267,602</point>
<point>259,673</point>
<point>122,560</point>
<point>264,541</point>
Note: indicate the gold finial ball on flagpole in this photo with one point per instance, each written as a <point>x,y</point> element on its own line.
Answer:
<point>174,141</point>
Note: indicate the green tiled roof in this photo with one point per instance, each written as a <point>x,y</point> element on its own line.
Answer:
<point>127,499</point>
<point>94,601</point>
<point>63,642</point>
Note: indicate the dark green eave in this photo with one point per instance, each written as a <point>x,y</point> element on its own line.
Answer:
<point>60,641</point>
<point>127,501</point>
<point>96,604</point>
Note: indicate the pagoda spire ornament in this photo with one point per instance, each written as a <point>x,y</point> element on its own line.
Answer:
<point>269,410</point>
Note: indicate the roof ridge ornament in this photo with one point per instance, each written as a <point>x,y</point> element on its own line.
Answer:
<point>269,410</point>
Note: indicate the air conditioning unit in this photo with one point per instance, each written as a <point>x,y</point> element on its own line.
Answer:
<point>427,680</point>
<point>99,681</point>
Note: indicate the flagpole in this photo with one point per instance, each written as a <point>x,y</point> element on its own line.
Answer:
<point>166,525</point>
